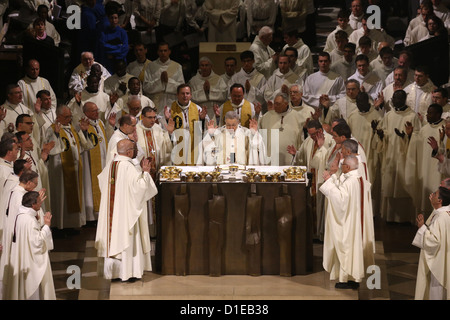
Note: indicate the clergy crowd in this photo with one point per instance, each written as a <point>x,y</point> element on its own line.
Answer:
<point>372,132</point>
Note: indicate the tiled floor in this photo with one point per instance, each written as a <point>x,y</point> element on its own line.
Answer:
<point>396,258</point>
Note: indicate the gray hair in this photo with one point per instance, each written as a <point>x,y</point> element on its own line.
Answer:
<point>298,85</point>
<point>353,81</point>
<point>265,31</point>
<point>283,95</point>
<point>352,162</point>
<point>231,115</point>
<point>204,58</point>
<point>60,108</point>
<point>132,98</point>
<point>351,145</point>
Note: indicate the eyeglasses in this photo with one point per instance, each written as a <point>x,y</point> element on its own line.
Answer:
<point>150,117</point>
<point>30,122</point>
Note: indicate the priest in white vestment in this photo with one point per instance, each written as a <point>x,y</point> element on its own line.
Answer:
<point>233,143</point>
<point>304,58</point>
<point>393,132</point>
<point>117,82</point>
<point>346,66</point>
<point>283,76</point>
<point>15,107</point>
<point>162,77</point>
<point>296,103</point>
<point>425,8</point>
<point>222,18</point>
<point>368,79</point>
<point>265,56</point>
<point>30,275</point>
<point>189,122</point>
<point>433,240</point>
<point>134,89</point>
<point>208,88</point>
<point>404,60</point>
<point>420,93</point>
<point>32,83</point>
<point>376,35</point>
<point>94,160</point>
<point>13,200</point>
<point>137,67</point>
<point>77,80</point>
<point>400,74</point>
<point>349,243</point>
<point>323,83</point>
<point>440,96</point>
<point>385,63</point>
<point>45,113</point>
<point>252,80</point>
<point>245,109</point>
<point>344,106</point>
<point>355,19</point>
<point>313,154</point>
<point>420,180</point>
<point>441,151</point>
<point>65,169</point>
<point>122,237</point>
<point>281,127</point>
<point>343,24</point>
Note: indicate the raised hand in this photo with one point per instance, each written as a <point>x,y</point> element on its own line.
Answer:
<point>48,218</point>
<point>202,114</point>
<point>258,108</point>
<point>400,134</point>
<point>170,126</point>
<point>216,110</point>
<point>442,133</point>
<point>166,112</point>
<point>206,86</point>
<point>37,105</point>
<point>112,119</point>
<point>164,77</point>
<point>46,148</point>
<point>291,150</point>
<point>324,101</point>
<point>211,125</point>
<point>84,124</point>
<point>57,127</point>
<point>433,143</point>
<point>409,128</point>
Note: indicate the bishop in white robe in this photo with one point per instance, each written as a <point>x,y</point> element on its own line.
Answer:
<point>349,243</point>
<point>122,238</point>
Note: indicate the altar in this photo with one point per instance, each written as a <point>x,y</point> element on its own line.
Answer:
<point>234,223</point>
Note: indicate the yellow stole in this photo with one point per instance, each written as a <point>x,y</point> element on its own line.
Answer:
<point>246,112</point>
<point>73,195</point>
<point>142,74</point>
<point>177,115</point>
<point>95,160</point>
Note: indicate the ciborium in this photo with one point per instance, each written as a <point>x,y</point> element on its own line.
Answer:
<point>203,176</point>
<point>190,176</point>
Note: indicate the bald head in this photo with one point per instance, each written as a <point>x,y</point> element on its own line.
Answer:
<point>123,146</point>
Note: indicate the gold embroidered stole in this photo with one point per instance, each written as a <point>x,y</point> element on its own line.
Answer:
<point>142,74</point>
<point>111,198</point>
<point>177,115</point>
<point>73,195</point>
<point>246,112</point>
<point>95,161</point>
<point>150,149</point>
